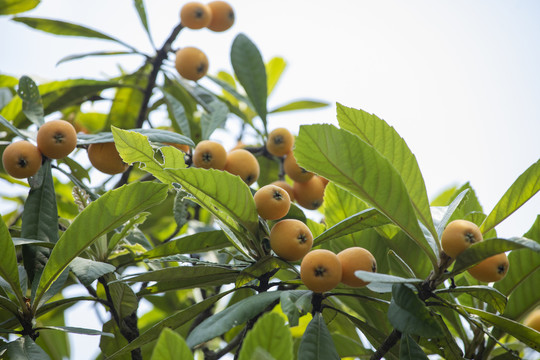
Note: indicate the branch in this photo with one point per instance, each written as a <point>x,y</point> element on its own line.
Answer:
<point>161,55</point>
<point>390,341</point>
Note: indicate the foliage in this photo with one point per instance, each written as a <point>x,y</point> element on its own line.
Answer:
<point>190,242</point>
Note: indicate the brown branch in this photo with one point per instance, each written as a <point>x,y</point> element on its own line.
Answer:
<point>161,55</point>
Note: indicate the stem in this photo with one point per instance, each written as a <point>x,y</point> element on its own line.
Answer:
<point>390,341</point>
<point>161,55</point>
<point>127,325</point>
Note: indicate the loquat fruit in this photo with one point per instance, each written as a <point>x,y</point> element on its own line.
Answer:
<point>222,16</point>
<point>56,139</point>
<point>492,269</point>
<point>458,235</point>
<point>280,142</point>
<point>285,186</point>
<point>244,164</point>
<point>105,158</point>
<point>191,63</point>
<point>291,239</point>
<point>353,259</point>
<point>320,270</point>
<point>294,171</point>
<point>209,154</point>
<point>195,15</point>
<point>309,194</point>
<point>272,202</point>
<point>533,320</point>
<point>21,159</point>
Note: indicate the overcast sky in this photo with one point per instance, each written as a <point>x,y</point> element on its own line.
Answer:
<point>459,80</point>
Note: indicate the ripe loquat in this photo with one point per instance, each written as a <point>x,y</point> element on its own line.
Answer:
<point>353,259</point>
<point>195,15</point>
<point>309,194</point>
<point>492,269</point>
<point>244,164</point>
<point>291,239</point>
<point>191,63</point>
<point>272,202</point>
<point>533,320</point>
<point>21,159</point>
<point>222,16</point>
<point>56,139</point>
<point>458,236</point>
<point>320,270</point>
<point>285,186</point>
<point>294,171</point>
<point>105,158</point>
<point>280,142</point>
<point>209,154</point>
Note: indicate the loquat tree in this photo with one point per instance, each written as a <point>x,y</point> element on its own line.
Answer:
<point>142,203</point>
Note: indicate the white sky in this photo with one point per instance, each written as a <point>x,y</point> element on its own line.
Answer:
<point>459,80</point>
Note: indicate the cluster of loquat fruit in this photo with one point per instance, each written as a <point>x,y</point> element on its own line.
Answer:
<point>56,139</point>
<point>307,188</point>
<point>191,62</point>
<point>458,236</point>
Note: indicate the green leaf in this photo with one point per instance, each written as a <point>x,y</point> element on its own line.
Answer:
<point>354,165</point>
<point>174,321</point>
<point>154,135</point>
<point>123,297</point>
<point>521,332</point>
<point>484,249</point>
<point>102,215</point>
<point>447,212</point>
<point>215,119</point>
<point>249,68</point>
<point>179,113</point>
<point>383,282</point>
<point>278,345</point>
<point>9,7</point>
<point>230,317</point>
<point>75,330</point>
<point>384,138</point>
<point>25,348</point>
<point>299,105</point>
<point>190,244</point>
<point>93,53</point>
<point>525,187</point>
<point>170,345</point>
<point>366,219</point>
<point>88,270</point>
<point>12,128</point>
<point>408,314</point>
<point>288,301</point>
<point>317,343</point>
<point>520,282</point>
<point>486,294</point>
<point>8,266</point>
<point>128,99</point>
<point>348,347</point>
<point>263,266</point>
<point>32,104</point>
<point>58,95</point>
<point>182,277</point>
<point>64,28</point>
<point>39,221</point>
<point>10,306</point>
<point>234,209</point>
<point>274,70</point>
<point>139,5</point>
<point>409,349</point>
